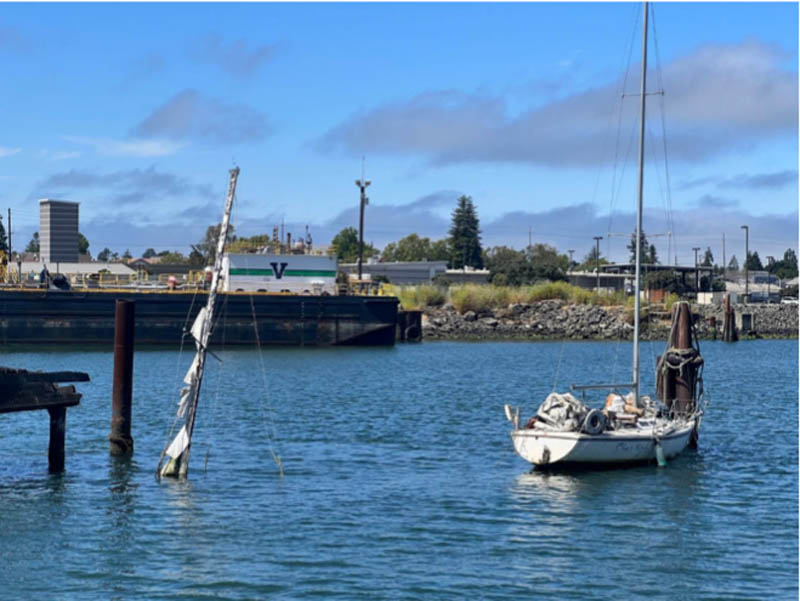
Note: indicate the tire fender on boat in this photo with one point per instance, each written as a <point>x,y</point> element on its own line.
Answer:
<point>595,422</point>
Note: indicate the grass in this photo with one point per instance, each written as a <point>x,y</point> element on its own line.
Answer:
<point>415,298</point>
<point>477,297</point>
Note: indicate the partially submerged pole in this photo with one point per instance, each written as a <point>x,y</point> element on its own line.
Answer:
<point>58,434</point>
<point>120,439</point>
<point>729,322</point>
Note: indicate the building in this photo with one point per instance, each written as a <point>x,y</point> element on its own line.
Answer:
<point>58,231</point>
<point>399,272</point>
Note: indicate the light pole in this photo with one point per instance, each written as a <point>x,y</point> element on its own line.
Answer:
<point>570,251</point>
<point>597,259</point>
<point>696,272</point>
<point>770,261</point>
<point>362,185</point>
<point>746,229</point>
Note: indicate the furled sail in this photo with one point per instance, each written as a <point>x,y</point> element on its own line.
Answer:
<point>177,451</point>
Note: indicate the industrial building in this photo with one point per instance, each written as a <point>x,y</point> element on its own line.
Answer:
<point>58,231</point>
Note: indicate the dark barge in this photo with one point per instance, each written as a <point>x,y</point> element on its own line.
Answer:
<point>87,316</point>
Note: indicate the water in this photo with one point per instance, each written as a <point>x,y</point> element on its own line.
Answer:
<point>400,482</point>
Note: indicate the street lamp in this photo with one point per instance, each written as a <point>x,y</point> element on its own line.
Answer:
<point>362,185</point>
<point>696,272</point>
<point>746,229</point>
<point>570,251</point>
<point>597,259</point>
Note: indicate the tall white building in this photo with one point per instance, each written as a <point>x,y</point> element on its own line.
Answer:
<point>58,231</point>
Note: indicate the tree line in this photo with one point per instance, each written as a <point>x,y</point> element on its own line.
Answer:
<point>461,248</point>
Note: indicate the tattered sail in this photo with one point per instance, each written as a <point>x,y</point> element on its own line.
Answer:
<point>177,464</point>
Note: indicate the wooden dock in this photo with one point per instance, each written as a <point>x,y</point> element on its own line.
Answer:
<point>22,390</point>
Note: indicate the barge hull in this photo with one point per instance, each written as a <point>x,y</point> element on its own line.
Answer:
<point>161,317</point>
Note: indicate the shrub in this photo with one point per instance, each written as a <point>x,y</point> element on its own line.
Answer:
<point>414,298</point>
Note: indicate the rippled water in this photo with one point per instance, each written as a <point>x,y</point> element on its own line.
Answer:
<point>400,482</point>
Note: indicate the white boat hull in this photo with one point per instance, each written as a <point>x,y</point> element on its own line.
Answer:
<point>616,447</point>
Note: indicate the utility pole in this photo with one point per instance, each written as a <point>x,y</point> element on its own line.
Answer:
<point>724,264</point>
<point>696,271</point>
<point>770,261</point>
<point>570,251</point>
<point>9,233</point>
<point>746,229</point>
<point>597,259</point>
<point>530,233</point>
<point>362,185</point>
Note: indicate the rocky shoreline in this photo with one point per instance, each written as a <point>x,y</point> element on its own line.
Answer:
<point>559,320</point>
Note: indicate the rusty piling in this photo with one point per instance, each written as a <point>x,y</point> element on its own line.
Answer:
<point>683,378</point>
<point>120,439</point>
<point>729,322</point>
<point>680,366</point>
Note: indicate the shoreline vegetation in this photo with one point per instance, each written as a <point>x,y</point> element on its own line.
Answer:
<point>558,310</point>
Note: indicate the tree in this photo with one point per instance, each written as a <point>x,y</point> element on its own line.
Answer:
<point>708,258</point>
<point>127,255</point>
<point>207,247</point>
<point>507,267</point>
<point>173,258</point>
<point>753,263</point>
<point>83,244</point>
<point>440,250</point>
<point>251,244</point>
<point>592,259</point>
<point>648,251</point>
<point>33,245</point>
<point>104,255</point>
<point>414,248</point>
<point>546,263</point>
<point>346,245</point>
<point>3,242</point>
<point>465,236</point>
<point>149,253</point>
<point>786,268</point>
<point>733,264</point>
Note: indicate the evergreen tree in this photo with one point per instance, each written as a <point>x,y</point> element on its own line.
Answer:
<point>3,242</point>
<point>33,245</point>
<point>733,264</point>
<point>592,260</point>
<point>754,262</point>
<point>83,244</point>
<point>786,268</point>
<point>648,251</point>
<point>104,255</point>
<point>465,236</point>
<point>149,253</point>
<point>708,258</point>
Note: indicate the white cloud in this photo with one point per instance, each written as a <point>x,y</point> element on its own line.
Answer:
<point>134,147</point>
<point>190,115</point>
<point>7,152</point>
<point>718,98</point>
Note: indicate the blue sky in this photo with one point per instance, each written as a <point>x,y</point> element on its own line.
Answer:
<point>137,111</point>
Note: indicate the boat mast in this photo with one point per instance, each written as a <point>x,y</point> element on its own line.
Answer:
<point>178,451</point>
<point>637,286</point>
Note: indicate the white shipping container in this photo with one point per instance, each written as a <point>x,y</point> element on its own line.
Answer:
<point>299,274</point>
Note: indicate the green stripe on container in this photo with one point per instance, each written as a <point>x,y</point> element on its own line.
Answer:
<point>307,273</point>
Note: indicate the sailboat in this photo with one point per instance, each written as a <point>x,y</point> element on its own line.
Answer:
<point>177,452</point>
<point>630,428</point>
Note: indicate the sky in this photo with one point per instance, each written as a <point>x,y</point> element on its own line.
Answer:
<point>138,111</point>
